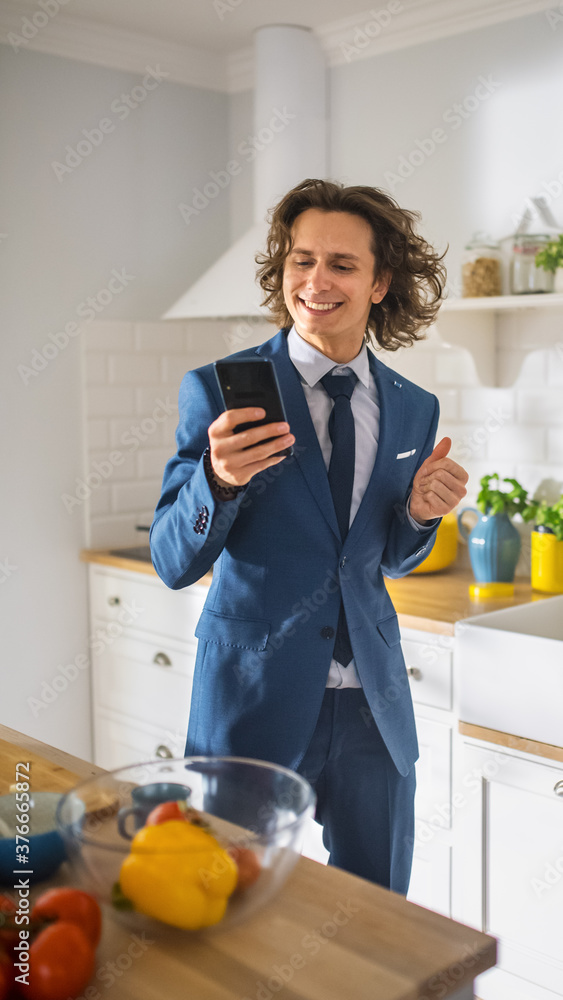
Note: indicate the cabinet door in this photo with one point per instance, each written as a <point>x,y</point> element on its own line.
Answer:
<point>431,877</point>
<point>508,868</point>
<point>433,778</point>
<point>119,742</point>
<point>149,680</point>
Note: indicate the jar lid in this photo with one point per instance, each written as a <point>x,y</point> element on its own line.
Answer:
<point>481,239</point>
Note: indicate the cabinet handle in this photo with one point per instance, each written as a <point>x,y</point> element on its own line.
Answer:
<point>558,789</point>
<point>163,751</point>
<point>415,673</point>
<point>114,600</point>
<point>162,660</point>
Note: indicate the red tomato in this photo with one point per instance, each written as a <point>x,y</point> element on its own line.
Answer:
<point>61,963</point>
<point>248,866</point>
<point>73,905</point>
<point>166,811</point>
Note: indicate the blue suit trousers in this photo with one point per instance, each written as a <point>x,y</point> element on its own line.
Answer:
<point>366,807</point>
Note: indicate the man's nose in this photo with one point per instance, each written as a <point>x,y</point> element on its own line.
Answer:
<point>318,277</point>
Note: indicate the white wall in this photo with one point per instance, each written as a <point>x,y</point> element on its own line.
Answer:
<point>117,209</point>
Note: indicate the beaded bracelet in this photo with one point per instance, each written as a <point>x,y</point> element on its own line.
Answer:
<point>219,492</point>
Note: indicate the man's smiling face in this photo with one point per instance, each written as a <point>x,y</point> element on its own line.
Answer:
<point>328,282</point>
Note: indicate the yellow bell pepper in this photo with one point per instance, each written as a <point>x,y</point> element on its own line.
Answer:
<point>178,873</point>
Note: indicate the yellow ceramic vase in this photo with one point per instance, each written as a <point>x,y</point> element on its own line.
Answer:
<point>547,563</point>
<point>445,547</point>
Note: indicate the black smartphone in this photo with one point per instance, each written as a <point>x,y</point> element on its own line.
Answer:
<point>252,383</point>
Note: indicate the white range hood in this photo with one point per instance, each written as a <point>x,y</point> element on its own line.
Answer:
<point>290,90</point>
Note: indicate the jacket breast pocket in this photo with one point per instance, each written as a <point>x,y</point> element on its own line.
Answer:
<point>389,629</point>
<point>241,633</point>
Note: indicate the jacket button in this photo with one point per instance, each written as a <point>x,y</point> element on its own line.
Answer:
<point>343,562</point>
<point>327,632</point>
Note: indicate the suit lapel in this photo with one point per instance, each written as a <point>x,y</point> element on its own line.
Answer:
<point>307,449</point>
<point>390,401</point>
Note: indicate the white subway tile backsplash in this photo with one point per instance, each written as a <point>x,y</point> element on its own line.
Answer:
<point>455,366</point>
<point>517,443</point>
<point>151,462</point>
<point>555,364</point>
<point>134,369</point>
<point>540,406</point>
<point>109,401</point>
<point>97,368</point>
<point>156,338</point>
<point>172,370</point>
<point>97,433</point>
<point>555,444</point>
<point>133,372</point>
<point>108,336</point>
<point>134,496</point>
<point>486,406</point>
<point>117,464</point>
<point>158,401</point>
<point>544,481</point>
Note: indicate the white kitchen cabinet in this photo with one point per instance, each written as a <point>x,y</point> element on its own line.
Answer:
<point>508,866</point>
<point>429,662</point>
<point>143,655</point>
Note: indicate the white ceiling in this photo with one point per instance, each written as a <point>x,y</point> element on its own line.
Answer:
<point>209,43</point>
<point>224,27</point>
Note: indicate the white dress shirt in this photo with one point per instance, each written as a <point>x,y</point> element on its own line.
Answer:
<point>313,366</point>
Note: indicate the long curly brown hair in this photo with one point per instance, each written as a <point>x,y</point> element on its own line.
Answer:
<point>418,276</point>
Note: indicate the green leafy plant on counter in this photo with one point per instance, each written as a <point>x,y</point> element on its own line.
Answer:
<point>493,500</point>
<point>549,516</point>
<point>551,257</point>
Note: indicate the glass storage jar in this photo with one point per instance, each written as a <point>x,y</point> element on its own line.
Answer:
<point>525,277</point>
<point>481,269</point>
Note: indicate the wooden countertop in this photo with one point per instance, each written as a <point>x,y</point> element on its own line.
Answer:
<point>380,946</point>
<point>431,602</point>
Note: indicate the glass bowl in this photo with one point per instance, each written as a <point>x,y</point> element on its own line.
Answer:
<point>247,804</point>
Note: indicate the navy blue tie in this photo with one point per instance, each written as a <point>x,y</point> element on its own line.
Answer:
<point>341,478</point>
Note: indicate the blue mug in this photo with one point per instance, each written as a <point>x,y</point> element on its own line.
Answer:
<point>145,799</point>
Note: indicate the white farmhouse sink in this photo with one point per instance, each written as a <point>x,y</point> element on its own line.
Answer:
<point>511,670</point>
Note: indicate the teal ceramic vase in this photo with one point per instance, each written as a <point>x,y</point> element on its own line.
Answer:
<point>494,546</point>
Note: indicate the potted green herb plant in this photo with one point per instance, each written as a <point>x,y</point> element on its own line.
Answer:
<point>494,542</point>
<point>547,545</point>
<point>550,258</point>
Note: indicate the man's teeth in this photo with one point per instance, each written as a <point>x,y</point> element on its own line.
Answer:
<point>321,306</point>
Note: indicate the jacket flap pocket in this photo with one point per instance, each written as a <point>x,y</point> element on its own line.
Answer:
<point>389,629</point>
<point>244,633</point>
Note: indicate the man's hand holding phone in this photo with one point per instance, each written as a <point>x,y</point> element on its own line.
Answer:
<point>236,458</point>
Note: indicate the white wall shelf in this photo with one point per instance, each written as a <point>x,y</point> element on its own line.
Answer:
<point>494,303</point>
<point>474,324</point>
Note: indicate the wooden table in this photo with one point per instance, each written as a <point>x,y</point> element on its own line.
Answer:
<point>326,936</point>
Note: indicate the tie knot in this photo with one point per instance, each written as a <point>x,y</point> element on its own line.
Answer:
<point>339,385</point>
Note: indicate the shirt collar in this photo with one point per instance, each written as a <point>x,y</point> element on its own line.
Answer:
<point>312,365</point>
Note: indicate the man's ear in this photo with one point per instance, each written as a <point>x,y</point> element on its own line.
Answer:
<point>381,286</point>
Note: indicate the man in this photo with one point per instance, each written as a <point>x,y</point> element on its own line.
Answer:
<point>299,659</point>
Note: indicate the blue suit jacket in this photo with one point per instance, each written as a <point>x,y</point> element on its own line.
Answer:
<point>266,633</point>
